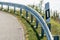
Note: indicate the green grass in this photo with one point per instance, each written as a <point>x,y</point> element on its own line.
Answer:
<point>55,26</point>
<point>30,32</point>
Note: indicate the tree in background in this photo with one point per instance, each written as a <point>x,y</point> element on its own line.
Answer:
<point>55,15</point>
<point>40,6</point>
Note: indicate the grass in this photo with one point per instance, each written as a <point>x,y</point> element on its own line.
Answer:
<point>30,32</point>
<point>55,27</point>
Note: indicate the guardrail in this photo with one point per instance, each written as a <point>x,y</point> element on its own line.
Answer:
<point>33,13</point>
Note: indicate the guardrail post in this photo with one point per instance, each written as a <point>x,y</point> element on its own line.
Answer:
<point>8,8</point>
<point>36,23</point>
<point>31,18</point>
<point>20,11</point>
<point>32,15</point>
<point>14,9</point>
<point>26,14</point>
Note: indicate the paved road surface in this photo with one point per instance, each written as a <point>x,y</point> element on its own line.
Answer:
<point>10,28</point>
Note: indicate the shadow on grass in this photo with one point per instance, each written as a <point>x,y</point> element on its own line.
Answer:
<point>39,38</point>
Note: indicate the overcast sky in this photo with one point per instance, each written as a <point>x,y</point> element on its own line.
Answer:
<point>54,4</point>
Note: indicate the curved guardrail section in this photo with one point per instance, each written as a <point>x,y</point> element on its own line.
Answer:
<point>35,14</point>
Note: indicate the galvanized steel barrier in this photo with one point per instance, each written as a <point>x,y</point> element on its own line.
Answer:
<point>33,13</point>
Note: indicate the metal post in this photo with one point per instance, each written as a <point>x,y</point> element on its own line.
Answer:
<point>26,14</point>
<point>36,23</point>
<point>32,15</point>
<point>56,37</point>
<point>31,18</point>
<point>8,8</point>
<point>20,11</point>
<point>47,12</point>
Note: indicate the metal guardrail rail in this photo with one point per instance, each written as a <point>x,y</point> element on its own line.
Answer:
<point>35,14</point>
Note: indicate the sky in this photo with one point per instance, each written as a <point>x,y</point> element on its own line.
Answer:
<point>54,4</point>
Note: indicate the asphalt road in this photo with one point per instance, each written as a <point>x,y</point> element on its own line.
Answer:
<point>10,28</point>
